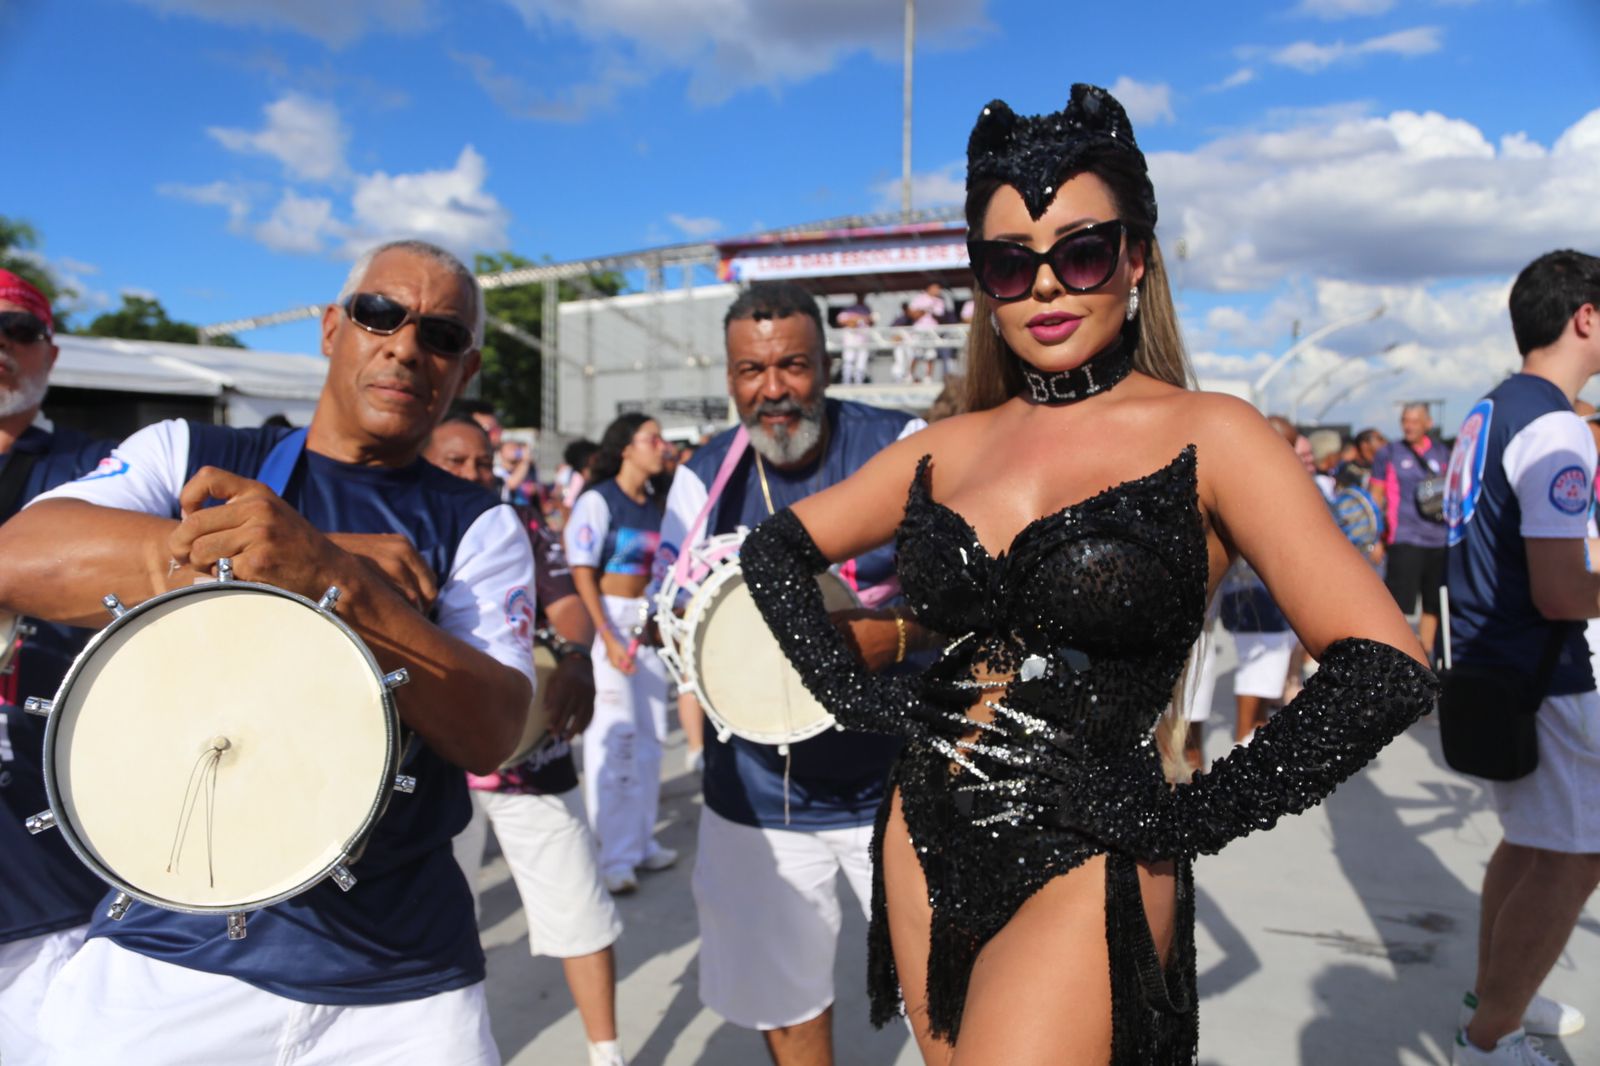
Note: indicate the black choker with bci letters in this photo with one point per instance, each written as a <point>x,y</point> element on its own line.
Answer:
<point>1057,388</point>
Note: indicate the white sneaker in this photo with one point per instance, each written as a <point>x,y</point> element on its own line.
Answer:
<point>1516,1048</point>
<point>694,760</point>
<point>1544,1016</point>
<point>607,1053</point>
<point>659,859</point>
<point>621,882</point>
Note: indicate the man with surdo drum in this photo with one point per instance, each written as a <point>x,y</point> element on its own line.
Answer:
<point>778,828</point>
<point>435,575</point>
<point>46,894</point>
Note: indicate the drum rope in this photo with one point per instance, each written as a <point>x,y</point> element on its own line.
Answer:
<point>202,779</point>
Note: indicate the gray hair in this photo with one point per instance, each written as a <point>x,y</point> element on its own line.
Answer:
<point>1420,407</point>
<point>424,250</point>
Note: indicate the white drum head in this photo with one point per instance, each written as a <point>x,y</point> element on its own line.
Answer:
<point>10,626</point>
<point>307,768</point>
<point>743,679</point>
<point>544,667</point>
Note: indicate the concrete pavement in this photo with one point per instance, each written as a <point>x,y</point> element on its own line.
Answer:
<point>1345,936</point>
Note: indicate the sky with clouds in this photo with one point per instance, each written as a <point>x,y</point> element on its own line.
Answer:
<point>1314,159</point>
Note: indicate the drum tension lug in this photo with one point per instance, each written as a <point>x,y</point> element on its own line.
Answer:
<point>40,822</point>
<point>405,783</point>
<point>39,705</point>
<point>395,678</point>
<point>225,573</point>
<point>27,629</point>
<point>343,877</point>
<point>114,605</point>
<point>723,735</point>
<point>236,929</point>
<point>329,598</point>
<point>783,749</point>
<point>119,907</point>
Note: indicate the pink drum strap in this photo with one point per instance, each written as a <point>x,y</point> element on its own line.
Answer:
<point>741,441</point>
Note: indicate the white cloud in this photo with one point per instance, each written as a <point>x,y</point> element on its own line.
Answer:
<point>226,194</point>
<point>728,45</point>
<point>695,227</point>
<point>1145,104</point>
<point>136,293</point>
<point>1242,76</point>
<point>1404,197</point>
<point>1309,57</point>
<point>574,103</point>
<point>931,188</point>
<point>1343,9</point>
<point>305,135</point>
<point>298,225</point>
<point>449,207</point>
<point>334,24</point>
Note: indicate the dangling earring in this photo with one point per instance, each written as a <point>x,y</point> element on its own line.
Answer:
<point>994,323</point>
<point>1133,303</point>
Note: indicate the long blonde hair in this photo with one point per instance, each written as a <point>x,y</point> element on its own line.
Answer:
<point>994,373</point>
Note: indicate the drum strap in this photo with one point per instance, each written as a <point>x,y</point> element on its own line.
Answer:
<point>281,462</point>
<point>12,479</point>
<point>741,441</point>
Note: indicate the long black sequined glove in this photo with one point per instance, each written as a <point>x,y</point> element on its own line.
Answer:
<point>780,563</point>
<point>1362,696</point>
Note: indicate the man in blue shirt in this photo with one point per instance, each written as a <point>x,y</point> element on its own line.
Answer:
<point>390,970</point>
<point>46,894</point>
<point>1520,487</point>
<point>777,829</point>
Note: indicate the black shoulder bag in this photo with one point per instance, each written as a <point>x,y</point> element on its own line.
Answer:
<point>1488,714</point>
<point>1429,494</point>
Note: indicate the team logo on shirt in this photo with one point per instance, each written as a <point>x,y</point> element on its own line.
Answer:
<point>586,537</point>
<point>1464,481</point>
<point>110,466</point>
<point>1569,491</point>
<point>519,616</point>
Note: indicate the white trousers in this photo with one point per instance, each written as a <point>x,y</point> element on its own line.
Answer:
<point>550,851</point>
<point>855,365</point>
<point>26,969</point>
<point>768,904</point>
<point>622,748</point>
<point>112,1005</point>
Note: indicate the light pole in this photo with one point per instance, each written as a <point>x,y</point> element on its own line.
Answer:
<point>905,119</point>
<point>1258,390</point>
<point>1386,372</point>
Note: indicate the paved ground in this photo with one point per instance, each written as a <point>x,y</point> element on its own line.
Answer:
<point>1343,937</point>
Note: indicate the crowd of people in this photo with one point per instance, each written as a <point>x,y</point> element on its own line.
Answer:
<point>1016,793</point>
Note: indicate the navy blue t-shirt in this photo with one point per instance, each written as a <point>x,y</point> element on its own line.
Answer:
<point>406,930</point>
<point>43,886</point>
<point>1523,467</point>
<point>835,779</point>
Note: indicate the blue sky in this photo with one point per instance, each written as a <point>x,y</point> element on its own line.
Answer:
<point>1314,157</point>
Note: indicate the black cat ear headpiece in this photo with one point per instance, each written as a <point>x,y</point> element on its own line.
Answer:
<point>1032,153</point>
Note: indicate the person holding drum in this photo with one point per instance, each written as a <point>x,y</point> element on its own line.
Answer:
<point>534,803</point>
<point>46,894</point>
<point>611,540</point>
<point>379,961</point>
<point>1035,900</point>
<point>780,824</point>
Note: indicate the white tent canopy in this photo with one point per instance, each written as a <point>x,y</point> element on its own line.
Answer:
<point>248,385</point>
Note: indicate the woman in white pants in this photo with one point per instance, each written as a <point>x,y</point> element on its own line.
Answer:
<point>611,542</point>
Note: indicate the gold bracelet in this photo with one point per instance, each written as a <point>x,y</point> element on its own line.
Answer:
<point>901,631</point>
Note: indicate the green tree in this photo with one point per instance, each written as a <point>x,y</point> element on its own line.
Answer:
<point>142,319</point>
<point>17,241</point>
<point>513,378</point>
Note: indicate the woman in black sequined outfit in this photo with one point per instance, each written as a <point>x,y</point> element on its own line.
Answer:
<point>1034,898</point>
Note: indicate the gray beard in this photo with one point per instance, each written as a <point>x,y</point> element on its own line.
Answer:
<point>25,396</point>
<point>782,446</point>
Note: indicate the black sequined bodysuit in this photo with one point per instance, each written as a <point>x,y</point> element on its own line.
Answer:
<point>1092,611</point>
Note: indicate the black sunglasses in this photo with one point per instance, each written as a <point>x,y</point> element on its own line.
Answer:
<point>1083,261</point>
<point>23,327</point>
<point>377,313</point>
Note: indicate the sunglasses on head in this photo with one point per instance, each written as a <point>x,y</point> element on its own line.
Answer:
<point>377,313</point>
<point>1083,261</point>
<point>23,327</point>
